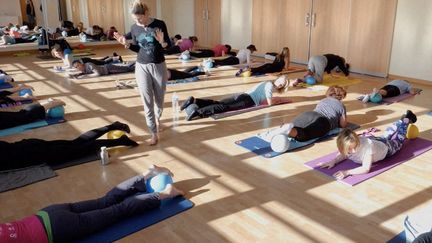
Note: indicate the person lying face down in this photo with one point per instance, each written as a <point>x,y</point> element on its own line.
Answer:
<point>93,70</point>
<point>72,221</point>
<point>258,95</point>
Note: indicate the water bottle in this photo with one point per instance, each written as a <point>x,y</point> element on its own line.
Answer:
<point>175,107</point>
<point>104,155</point>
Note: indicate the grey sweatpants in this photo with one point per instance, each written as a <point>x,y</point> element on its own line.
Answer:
<point>151,79</point>
<point>317,65</point>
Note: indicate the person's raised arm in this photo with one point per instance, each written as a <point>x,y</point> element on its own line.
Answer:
<point>122,40</point>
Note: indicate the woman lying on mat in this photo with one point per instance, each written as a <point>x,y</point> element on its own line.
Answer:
<point>31,113</point>
<point>368,150</point>
<point>261,93</point>
<point>243,57</point>
<point>317,65</point>
<point>89,69</point>
<point>182,45</point>
<point>280,63</point>
<point>218,50</point>
<point>68,58</point>
<point>12,95</point>
<point>30,152</point>
<point>329,113</point>
<point>391,89</point>
<point>68,222</point>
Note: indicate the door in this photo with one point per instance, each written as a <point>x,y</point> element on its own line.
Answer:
<point>208,22</point>
<point>76,17</point>
<point>105,13</point>
<point>330,20</point>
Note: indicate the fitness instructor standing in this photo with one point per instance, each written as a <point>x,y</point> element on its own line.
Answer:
<point>149,38</point>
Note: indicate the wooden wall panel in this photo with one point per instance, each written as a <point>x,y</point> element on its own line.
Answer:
<point>266,21</point>
<point>214,22</point>
<point>200,22</point>
<point>76,16</point>
<point>106,13</point>
<point>371,33</point>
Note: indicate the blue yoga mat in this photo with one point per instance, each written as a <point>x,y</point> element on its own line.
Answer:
<point>6,86</point>
<point>182,81</point>
<point>262,147</point>
<point>131,225</point>
<point>33,125</point>
<point>400,238</point>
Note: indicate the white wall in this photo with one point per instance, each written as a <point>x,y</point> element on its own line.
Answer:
<point>236,23</point>
<point>412,41</point>
<point>178,15</point>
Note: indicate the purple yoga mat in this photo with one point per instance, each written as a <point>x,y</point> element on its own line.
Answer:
<point>397,98</point>
<point>410,149</point>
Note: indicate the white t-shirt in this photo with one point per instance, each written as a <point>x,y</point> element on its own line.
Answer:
<point>244,56</point>
<point>369,147</point>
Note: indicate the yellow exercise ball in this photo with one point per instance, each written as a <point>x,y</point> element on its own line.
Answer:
<point>115,134</point>
<point>412,131</point>
<point>246,74</point>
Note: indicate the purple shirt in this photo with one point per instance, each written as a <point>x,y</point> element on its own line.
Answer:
<point>185,44</point>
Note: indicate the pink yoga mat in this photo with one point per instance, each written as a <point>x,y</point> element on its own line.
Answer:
<point>397,98</point>
<point>411,149</point>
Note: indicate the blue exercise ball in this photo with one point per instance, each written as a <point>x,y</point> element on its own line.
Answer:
<point>2,80</point>
<point>208,64</point>
<point>185,56</point>
<point>159,182</point>
<point>25,92</point>
<point>375,98</point>
<point>310,80</point>
<point>56,112</point>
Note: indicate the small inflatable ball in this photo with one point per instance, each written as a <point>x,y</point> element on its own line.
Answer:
<point>280,143</point>
<point>56,112</point>
<point>412,131</point>
<point>25,92</point>
<point>184,56</point>
<point>115,134</point>
<point>246,73</point>
<point>375,98</point>
<point>310,80</point>
<point>208,64</point>
<point>67,51</point>
<point>2,80</point>
<point>159,182</point>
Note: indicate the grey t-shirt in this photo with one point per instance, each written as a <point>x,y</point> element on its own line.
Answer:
<point>332,109</point>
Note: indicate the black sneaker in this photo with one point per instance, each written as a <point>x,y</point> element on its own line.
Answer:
<point>191,111</point>
<point>410,115</point>
<point>188,102</point>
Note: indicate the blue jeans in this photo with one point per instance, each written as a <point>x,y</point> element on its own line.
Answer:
<point>71,221</point>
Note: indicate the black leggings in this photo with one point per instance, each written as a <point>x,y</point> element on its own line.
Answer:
<point>424,238</point>
<point>29,152</point>
<point>29,114</point>
<point>226,61</point>
<point>102,61</point>
<point>273,67</point>
<point>202,53</point>
<point>310,125</point>
<point>172,50</point>
<point>72,221</point>
<point>209,107</point>
<point>392,90</point>
<point>175,74</point>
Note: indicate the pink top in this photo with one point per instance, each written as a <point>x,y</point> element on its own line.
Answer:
<point>218,49</point>
<point>185,44</point>
<point>27,230</point>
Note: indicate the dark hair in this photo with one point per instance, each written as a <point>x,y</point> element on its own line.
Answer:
<point>178,37</point>
<point>193,38</point>
<point>139,7</point>
<point>75,61</point>
<point>228,48</point>
<point>251,48</point>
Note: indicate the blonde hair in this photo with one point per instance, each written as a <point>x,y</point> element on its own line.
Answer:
<point>285,53</point>
<point>336,92</point>
<point>345,139</point>
<point>284,88</point>
<point>139,7</point>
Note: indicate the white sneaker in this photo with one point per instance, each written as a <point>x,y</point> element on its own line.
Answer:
<point>366,98</point>
<point>104,156</point>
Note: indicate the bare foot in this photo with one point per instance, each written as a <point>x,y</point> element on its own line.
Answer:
<point>159,169</point>
<point>170,191</point>
<point>153,140</point>
<point>159,126</point>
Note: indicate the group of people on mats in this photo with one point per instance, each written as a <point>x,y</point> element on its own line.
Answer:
<point>150,40</point>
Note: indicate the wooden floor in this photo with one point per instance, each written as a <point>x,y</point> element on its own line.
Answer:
<point>238,196</point>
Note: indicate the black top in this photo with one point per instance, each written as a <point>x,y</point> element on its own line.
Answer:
<point>4,99</point>
<point>145,44</point>
<point>336,61</point>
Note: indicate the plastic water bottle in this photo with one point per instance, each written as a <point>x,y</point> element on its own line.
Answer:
<point>175,107</point>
